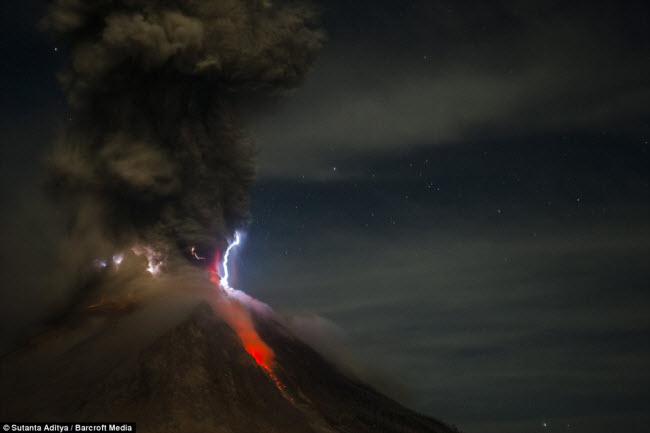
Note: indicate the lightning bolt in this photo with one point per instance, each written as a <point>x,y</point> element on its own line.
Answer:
<point>224,279</point>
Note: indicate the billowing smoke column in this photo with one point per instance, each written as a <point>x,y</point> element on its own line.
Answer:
<point>154,163</point>
<point>154,155</point>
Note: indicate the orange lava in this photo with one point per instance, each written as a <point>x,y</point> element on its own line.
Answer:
<point>237,315</point>
<point>240,320</point>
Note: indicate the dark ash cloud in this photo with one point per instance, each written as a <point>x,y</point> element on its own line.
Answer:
<point>156,153</point>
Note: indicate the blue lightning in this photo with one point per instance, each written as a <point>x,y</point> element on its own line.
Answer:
<point>224,279</point>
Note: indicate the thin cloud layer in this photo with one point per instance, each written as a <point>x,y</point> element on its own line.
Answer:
<point>442,73</point>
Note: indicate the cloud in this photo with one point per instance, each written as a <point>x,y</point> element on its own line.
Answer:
<point>467,317</point>
<point>452,77</point>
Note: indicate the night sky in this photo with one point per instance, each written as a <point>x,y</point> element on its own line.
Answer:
<point>460,189</point>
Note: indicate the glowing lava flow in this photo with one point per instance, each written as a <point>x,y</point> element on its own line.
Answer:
<point>234,309</point>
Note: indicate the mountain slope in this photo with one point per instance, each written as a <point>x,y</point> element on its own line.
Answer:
<point>192,377</point>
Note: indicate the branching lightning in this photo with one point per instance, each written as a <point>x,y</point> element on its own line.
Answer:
<point>224,279</point>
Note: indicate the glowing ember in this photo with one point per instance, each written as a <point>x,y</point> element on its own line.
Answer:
<point>96,304</point>
<point>109,305</point>
<point>196,256</point>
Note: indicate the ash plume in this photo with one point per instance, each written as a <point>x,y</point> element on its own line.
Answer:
<point>155,153</point>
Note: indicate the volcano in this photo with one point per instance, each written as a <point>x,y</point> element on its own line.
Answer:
<point>190,373</point>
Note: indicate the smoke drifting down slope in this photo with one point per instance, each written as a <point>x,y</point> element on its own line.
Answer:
<point>155,155</point>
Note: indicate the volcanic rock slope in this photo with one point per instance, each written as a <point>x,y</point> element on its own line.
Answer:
<point>195,377</point>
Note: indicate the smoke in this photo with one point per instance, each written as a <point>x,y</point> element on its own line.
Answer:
<point>155,153</point>
<point>335,345</point>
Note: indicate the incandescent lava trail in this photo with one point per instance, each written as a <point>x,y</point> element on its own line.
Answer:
<point>233,306</point>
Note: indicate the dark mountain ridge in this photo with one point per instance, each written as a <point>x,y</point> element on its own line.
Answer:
<point>193,376</point>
